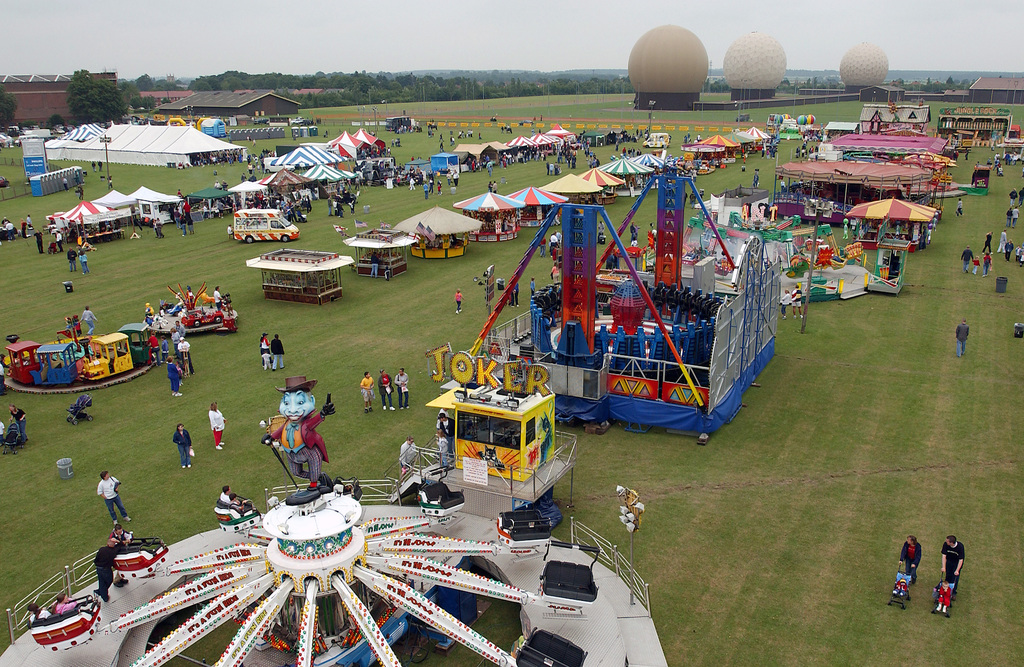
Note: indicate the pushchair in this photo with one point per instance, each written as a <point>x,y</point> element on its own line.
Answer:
<point>12,439</point>
<point>900,590</point>
<point>76,410</point>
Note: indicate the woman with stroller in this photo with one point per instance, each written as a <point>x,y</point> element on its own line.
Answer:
<point>910,557</point>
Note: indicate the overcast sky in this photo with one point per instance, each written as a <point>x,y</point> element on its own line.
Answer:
<point>188,38</point>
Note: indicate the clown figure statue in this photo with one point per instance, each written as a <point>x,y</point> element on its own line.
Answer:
<point>298,437</point>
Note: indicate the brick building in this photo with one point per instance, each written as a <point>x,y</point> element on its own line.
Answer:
<point>42,95</point>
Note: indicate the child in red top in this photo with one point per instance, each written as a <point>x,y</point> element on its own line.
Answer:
<point>944,594</point>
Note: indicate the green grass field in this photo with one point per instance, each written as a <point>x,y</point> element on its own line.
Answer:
<point>776,543</point>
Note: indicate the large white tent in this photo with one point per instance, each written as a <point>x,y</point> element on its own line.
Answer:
<point>145,194</point>
<point>140,144</point>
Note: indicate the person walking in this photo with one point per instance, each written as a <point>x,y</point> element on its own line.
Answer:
<point>1002,241</point>
<point>1008,249</point>
<point>184,442</point>
<point>986,263</point>
<point>277,349</point>
<point>185,357</point>
<point>18,419</point>
<point>407,454</point>
<point>910,558</point>
<point>962,331</point>
<point>458,301</point>
<point>174,375</point>
<point>515,295</point>
<point>366,389</point>
<point>39,241</point>
<point>104,562</point>
<point>108,490</point>
<point>988,243</point>
<point>967,256</point>
<point>264,349</point>
<point>385,388</point>
<point>402,386</point>
<point>72,260</point>
<point>1014,216</point>
<point>217,422</point>
<point>89,318</point>
<point>84,259</point>
<point>59,238</point>
<point>959,207</point>
<point>952,562</point>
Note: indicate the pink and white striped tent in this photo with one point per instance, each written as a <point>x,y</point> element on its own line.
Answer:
<point>521,142</point>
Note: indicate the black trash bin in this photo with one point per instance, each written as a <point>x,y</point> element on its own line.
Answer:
<point>1001,285</point>
<point>501,284</point>
<point>69,287</point>
<point>1018,330</point>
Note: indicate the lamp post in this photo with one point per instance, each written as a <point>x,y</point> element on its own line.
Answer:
<point>374,108</point>
<point>815,207</point>
<point>630,515</point>
<point>650,116</point>
<point>105,140</point>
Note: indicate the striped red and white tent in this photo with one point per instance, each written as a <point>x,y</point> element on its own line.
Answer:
<point>545,140</point>
<point>76,214</point>
<point>520,142</point>
<point>365,137</point>
<point>560,132</point>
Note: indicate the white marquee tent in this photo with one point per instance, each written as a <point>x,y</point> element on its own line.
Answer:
<point>140,144</point>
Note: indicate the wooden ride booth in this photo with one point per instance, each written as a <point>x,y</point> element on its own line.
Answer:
<point>439,233</point>
<point>608,184</point>
<point>498,216</point>
<point>513,433</point>
<point>387,249</point>
<point>304,276</point>
<point>890,265</point>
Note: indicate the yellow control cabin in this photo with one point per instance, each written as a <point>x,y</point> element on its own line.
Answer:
<point>514,433</point>
<point>108,355</point>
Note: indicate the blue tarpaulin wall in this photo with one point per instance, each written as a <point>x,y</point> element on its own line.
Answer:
<point>666,415</point>
<point>442,161</point>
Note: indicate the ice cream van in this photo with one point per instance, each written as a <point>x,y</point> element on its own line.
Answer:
<point>262,224</point>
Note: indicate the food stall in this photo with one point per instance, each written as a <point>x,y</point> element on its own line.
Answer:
<point>305,276</point>
<point>498,216</point>
<point>440,233</point>
<point>387,248</point>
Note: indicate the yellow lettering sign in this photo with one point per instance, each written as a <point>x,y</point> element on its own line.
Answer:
<point>462,368</point>
<point>483,372</point>
<point>437,356</point>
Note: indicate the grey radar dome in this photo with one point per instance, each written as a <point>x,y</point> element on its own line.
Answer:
<point>864,65</point>
<point>755,61</point>
<point>668,67</point>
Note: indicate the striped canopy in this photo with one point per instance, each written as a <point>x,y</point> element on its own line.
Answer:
<point>84,132</point>
<point>719,140</point>
<point>546,140</point>
<point>489,202</point>
<point>367,138</point>
<point>305,156</point>
<point>624,167</point>
<point>322,172</point>
<point>560,132</point>
<point>759,135</point>
<point>520,142</point>
<point>76,214</point>
<point>648,160</point>
<point>892,209</point>
<point>536,197</point>
<point>598,177</point>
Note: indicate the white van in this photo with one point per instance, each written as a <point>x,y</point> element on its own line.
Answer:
<point>658,140</point>
<point>262,224</point>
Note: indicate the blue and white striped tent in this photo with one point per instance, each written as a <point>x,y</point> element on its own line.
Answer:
<point>648,160</point>
<point>84,132</point>
<point>305,156</point>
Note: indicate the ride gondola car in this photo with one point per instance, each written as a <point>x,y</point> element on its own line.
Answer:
<point>63,631</point>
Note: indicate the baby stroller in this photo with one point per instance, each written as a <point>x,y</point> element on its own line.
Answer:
<point>76,410</point>
<point>12,439</point>
<point>901,590</point>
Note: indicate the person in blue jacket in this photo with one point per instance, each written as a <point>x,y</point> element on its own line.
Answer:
<point>910,557</point>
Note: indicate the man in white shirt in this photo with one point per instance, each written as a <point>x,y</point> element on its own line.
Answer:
<point>407,455</point>
<point>107,489</point>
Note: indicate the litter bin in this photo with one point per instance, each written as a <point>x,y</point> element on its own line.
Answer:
<point>501,284</point>
<point>64,468</point>
<point>1001,285</point>
<point>69,287</point>
<point>366,209</point>
<point>1018,330</point>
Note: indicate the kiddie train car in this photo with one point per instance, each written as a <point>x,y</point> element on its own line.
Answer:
<point>110,356</point>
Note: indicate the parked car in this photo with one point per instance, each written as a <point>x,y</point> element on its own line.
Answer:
<point>3,182</point>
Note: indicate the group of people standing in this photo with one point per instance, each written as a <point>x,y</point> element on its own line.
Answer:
<point>388,387</point>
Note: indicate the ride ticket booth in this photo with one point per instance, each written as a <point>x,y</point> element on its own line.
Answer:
<point>513,433</point>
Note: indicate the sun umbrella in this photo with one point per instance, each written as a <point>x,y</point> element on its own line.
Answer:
<point>520,142</point>
<point>600,178</point>
<point>536,197</point>
<point>648,160</point>
<point>892,209</point>
<point>719,140</point>
<point>625,167</point>
<point>489,202</point>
